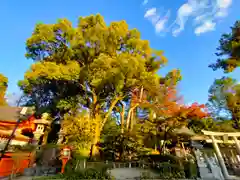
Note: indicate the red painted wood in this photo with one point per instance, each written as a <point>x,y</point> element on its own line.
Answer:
<point>16,164</point>
<point>64,162</point>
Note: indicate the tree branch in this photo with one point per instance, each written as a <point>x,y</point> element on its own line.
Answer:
<point>129,114</point>
<point>113,104</point>
<point>122,116</point>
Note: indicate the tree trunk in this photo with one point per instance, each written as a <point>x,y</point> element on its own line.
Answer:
<point>100,122</point>
<point>122,116</point>
<point>133,118</point>
<point>164,142</point>
<point>94,152</point>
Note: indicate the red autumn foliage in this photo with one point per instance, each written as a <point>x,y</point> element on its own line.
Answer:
<point>194,110</point>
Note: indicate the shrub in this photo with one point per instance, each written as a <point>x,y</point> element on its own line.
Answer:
<point>164,158</point>
<point>169,171</point>
<point>84,174</point>
<point>190,169</point>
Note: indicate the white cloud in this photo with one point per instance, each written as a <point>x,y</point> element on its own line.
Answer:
<point>151,12</point>
<point>183,13</point>
<point>205,27</point>
<point>145,2</point>
<point>223,6</point>
<point>224,3</point>
<point>204,14</point>
<point>159,22</point>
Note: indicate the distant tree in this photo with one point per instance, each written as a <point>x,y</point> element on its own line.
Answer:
<point>224,100</point>
<point>14,99</point>
<point>3,89</point>
<point>229,50</point>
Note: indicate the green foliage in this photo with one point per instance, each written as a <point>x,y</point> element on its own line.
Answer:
<point>156,158</point>
<point>98,172</point>
<point>111,128</point>
<point>84,174</point>
<point>229,50</point>
<point>88,174</point>
<point>190,169</point>
<point>221,125</point>
<point>123,147</point>
<point>169,171</point>
<point>170,167</point>
<point>3,89</point>
<point>79,131</point>
<point>93,61</point>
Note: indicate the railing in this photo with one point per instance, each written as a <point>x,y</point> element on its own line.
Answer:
<point>84,164</point>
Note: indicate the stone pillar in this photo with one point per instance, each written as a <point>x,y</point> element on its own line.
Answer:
<point>60,137</point>
<point>37,136</point>
<point>237,144</point>
<point>220,158</point>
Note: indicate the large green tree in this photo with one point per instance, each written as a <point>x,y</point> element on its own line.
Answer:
<point>229,50</point>
<point>3,89</point>
<point>91,66</point>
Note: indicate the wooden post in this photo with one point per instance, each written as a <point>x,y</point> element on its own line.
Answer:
<point>64,162</point>
<point>84,163</point>
<point>237,144</point>
<point>220,158</point>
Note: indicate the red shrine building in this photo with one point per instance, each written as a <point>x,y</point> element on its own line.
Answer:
<point>29,131</point>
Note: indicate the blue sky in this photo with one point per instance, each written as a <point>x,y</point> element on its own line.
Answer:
<point>188,32</point>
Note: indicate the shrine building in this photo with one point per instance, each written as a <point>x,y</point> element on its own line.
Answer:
<point>30,130</point>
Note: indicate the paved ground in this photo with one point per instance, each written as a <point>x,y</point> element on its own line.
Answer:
<point>118,173</point>
<point>130,173</point>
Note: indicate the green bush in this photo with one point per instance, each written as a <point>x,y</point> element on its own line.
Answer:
<point>98,171</point>
<point>84,174</point>
<point>163,158</point>
<point>169,171</point>
<point>190,169</point>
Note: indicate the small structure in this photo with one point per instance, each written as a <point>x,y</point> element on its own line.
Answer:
<point>9,117</point>
<point>41,126</point>
<point>222,163</point>
<point>65,156</point>
<point>30,130</point>
<point>234,136</point>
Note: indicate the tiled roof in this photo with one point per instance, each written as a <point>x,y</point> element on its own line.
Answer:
<point>10,113</point>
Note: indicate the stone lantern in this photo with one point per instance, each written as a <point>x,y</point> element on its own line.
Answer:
<point>41,125</point>
<point>60,137</point>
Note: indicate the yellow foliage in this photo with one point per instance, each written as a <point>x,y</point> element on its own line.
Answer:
<point>3,88</point>
<point>79,131</point>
